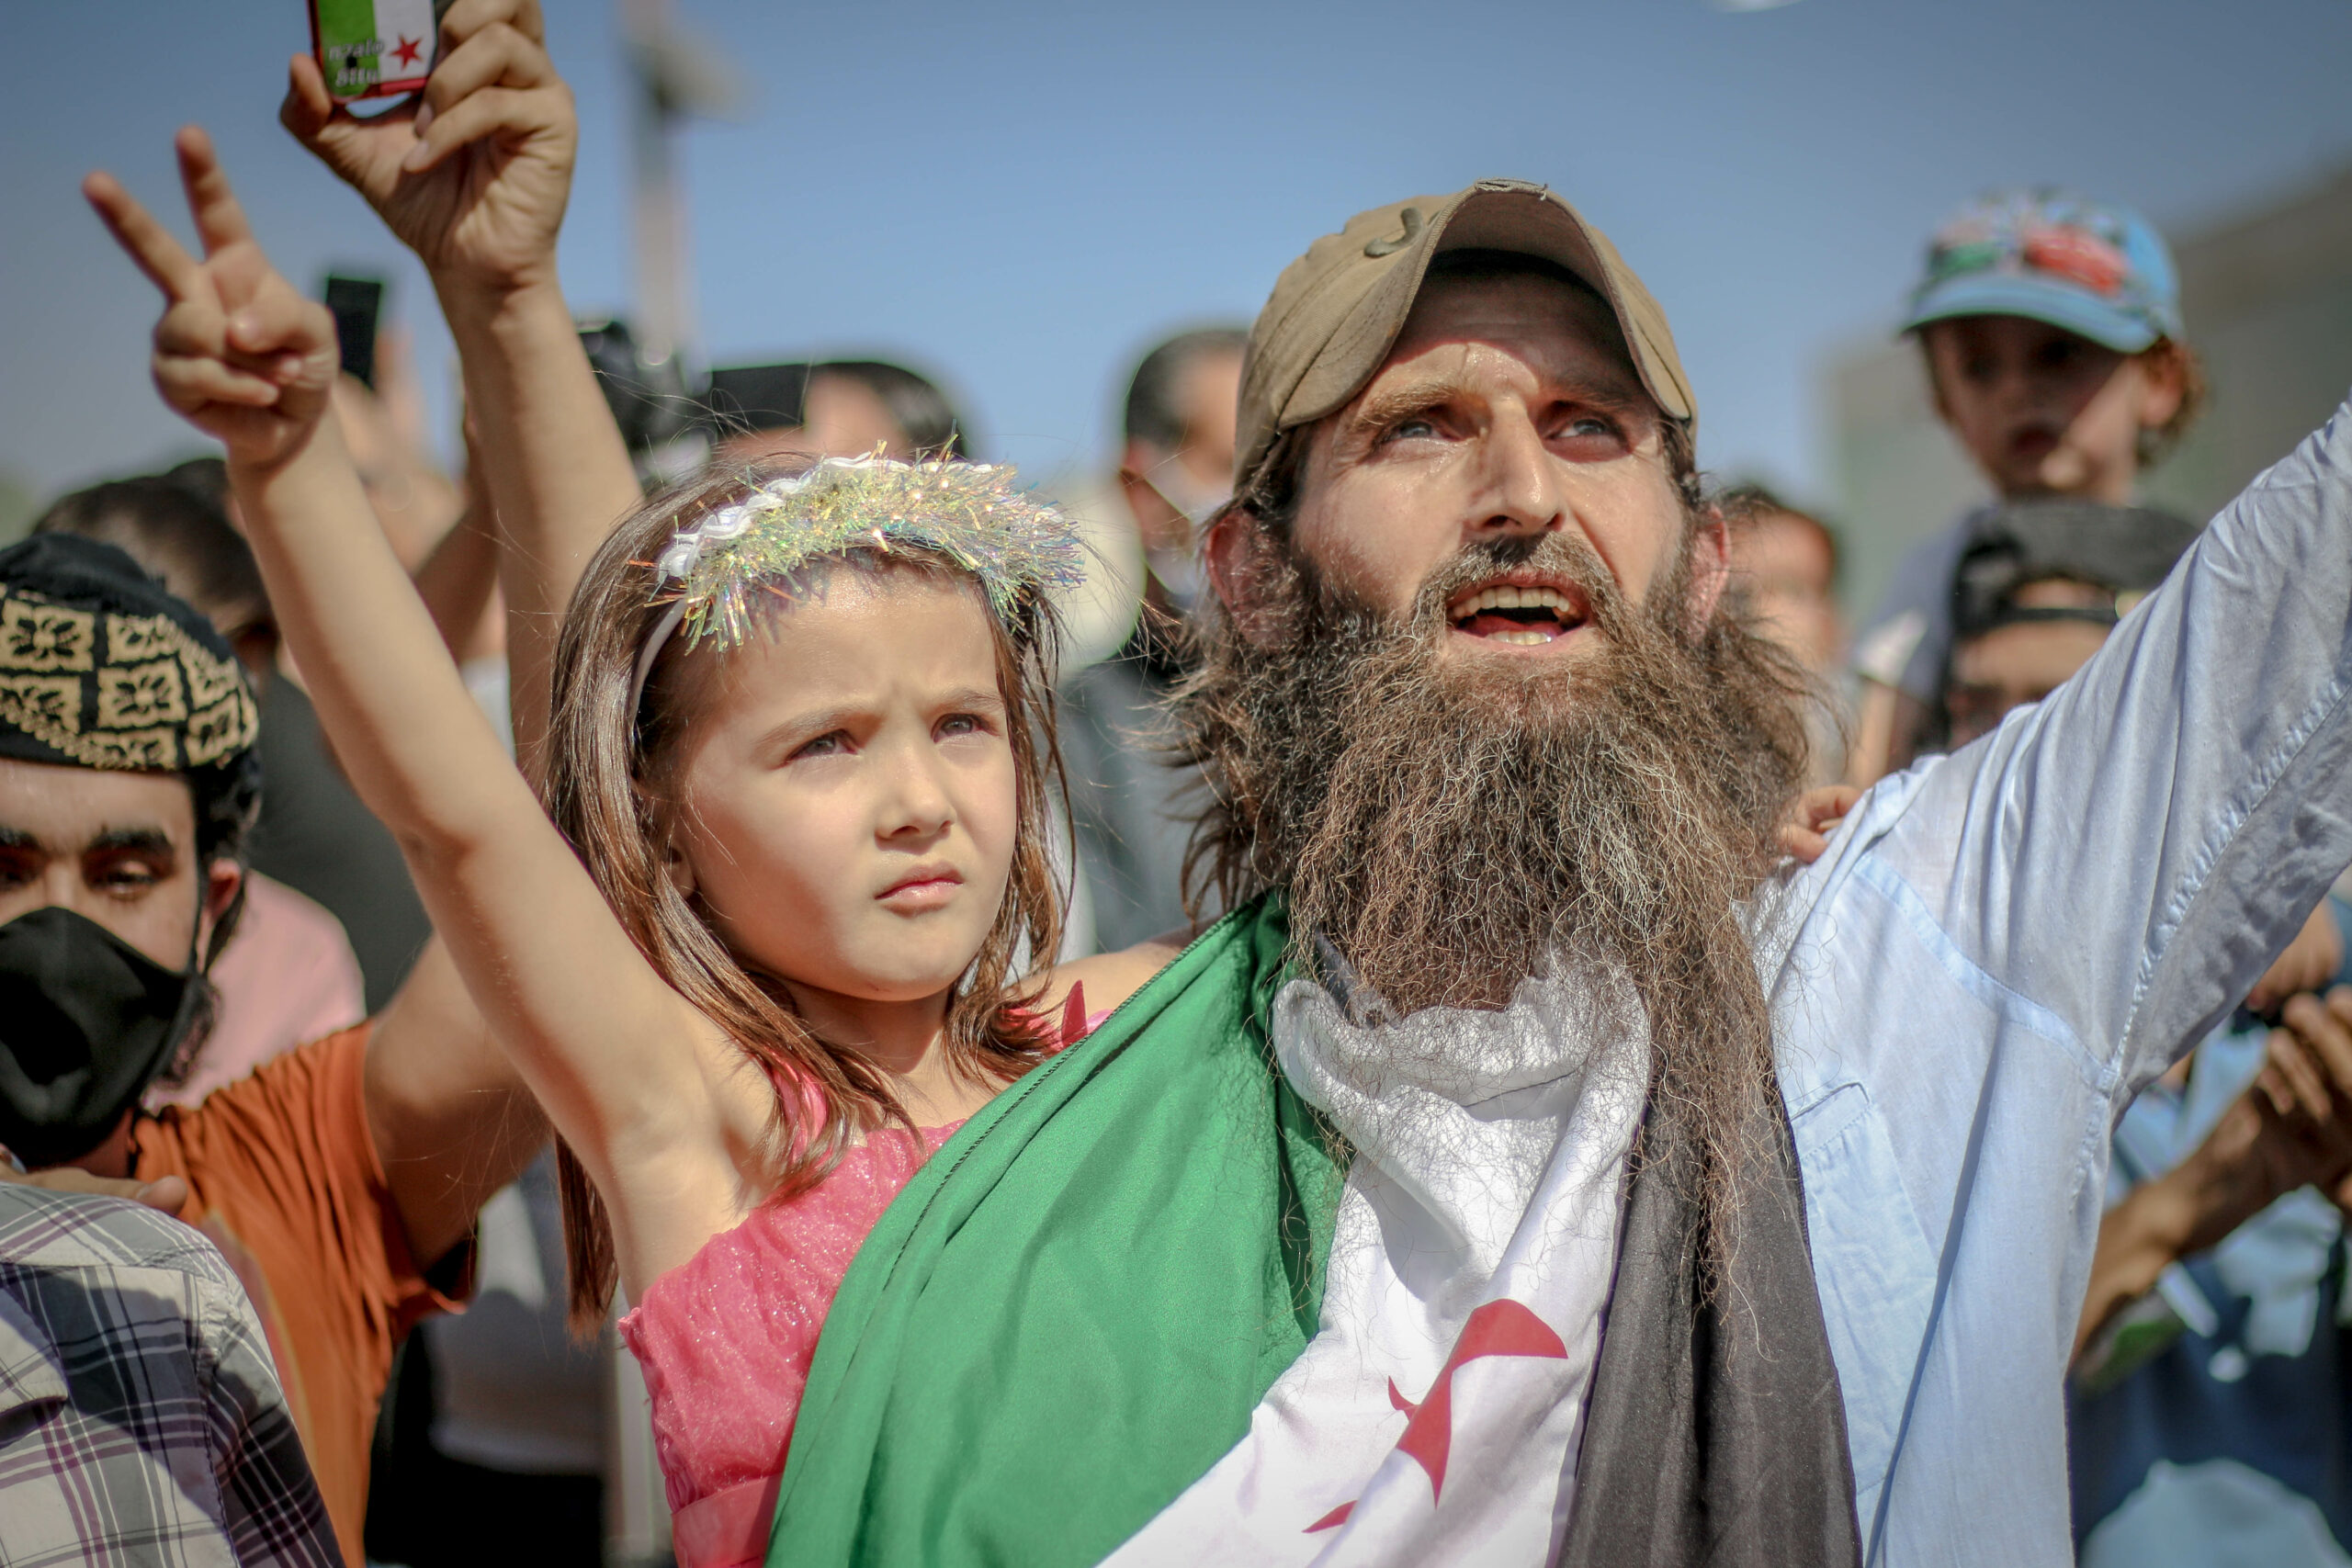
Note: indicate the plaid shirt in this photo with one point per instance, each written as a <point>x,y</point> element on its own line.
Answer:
<point>141,1416</point>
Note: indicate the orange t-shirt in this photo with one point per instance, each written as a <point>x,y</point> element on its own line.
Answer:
<point>283,1177</point>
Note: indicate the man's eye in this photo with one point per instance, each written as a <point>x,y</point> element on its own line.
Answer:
<point>1418,428</point>
<point>1591,424</point>
<point>125,877</point>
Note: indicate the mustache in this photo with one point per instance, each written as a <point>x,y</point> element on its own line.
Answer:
<point>1567,557</point>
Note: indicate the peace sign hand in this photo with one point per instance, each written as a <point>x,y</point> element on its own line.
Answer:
<point>239,354</point>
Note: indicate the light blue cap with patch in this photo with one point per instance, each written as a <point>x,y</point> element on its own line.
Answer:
<point>2091,267</point>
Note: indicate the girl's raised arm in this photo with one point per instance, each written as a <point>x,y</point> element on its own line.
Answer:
<point>596,1031</point>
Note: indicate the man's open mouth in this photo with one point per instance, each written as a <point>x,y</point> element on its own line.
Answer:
<point>1521,613</point>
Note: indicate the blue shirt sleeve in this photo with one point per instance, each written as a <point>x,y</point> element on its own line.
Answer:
<point>2130,854</point>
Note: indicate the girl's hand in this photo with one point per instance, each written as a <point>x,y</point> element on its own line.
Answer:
<point>239,354</point>
<point>1812,817</point>
<point>472,174</point>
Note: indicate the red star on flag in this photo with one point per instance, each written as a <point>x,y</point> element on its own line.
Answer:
<point>1503,1327</point>
<point>406,52</point>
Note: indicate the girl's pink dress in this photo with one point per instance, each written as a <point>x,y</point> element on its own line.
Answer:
<point>725,1339</point>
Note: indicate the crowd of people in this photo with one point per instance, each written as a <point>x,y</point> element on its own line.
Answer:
<point>1388,985</point>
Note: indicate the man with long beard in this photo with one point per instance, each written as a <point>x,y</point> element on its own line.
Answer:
<point>1689,1207</point>
<point>1528,1167</point>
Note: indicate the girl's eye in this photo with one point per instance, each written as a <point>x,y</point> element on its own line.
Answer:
<point>960,724</point>
<point>830,745</point>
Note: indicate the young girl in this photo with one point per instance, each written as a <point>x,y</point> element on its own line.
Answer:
<point>796,756</point>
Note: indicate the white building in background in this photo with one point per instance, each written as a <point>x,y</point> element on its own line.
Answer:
<point>2267,298</point>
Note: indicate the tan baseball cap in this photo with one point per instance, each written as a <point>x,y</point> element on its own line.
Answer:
<point>1336,310</point>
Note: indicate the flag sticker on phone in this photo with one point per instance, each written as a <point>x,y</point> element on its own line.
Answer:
<point>371,49</point>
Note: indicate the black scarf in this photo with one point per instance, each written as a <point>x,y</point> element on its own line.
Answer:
<point>1716,1433</point>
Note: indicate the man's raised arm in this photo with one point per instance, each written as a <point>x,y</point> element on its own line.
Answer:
<point>2131,854</point>
<point>475,181</point>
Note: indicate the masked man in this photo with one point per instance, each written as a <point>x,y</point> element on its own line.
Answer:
<point>1528,1168</point>
<point>339,1180</point>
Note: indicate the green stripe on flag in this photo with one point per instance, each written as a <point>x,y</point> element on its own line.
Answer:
<point>1069,1313</point>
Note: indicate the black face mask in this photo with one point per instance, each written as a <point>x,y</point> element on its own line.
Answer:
<point>86,1021</point>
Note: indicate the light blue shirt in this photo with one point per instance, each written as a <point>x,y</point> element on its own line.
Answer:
<point>2001,948</point>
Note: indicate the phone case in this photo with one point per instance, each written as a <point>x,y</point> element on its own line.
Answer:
<point>374,49</point>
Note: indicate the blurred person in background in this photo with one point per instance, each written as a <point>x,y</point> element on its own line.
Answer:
<point>2208,1404</point>
<point>2051,328</point>
<point>844,408</point>
<point>1175,471</point>
<point>288,974</point>
<point>1787,561</point>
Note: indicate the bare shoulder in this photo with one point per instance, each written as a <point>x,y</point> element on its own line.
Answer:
<point>1111,978</point>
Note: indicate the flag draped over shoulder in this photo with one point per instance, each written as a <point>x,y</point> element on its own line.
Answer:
<point>1069,1313</point>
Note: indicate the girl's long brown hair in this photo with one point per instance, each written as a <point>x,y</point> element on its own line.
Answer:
<point>609,788</point>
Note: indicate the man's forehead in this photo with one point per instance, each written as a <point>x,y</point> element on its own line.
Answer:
<point>1557,329</point>
<point>68,807</point>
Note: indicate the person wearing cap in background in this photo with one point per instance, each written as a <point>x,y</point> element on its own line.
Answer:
<point>288,974</point>
<point>340,1179</point>
<point>1331,1242</point>
<point>1128,796</point>
<point>2207,1403</point>
<point>2049,325</point>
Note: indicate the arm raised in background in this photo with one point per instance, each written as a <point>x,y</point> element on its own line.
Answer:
<point>2293,1128</point>
<point>473,176</point>
<point>594,1031</point>
<point>2130,855</point>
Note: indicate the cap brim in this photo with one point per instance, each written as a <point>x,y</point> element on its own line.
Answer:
<point>1999,294</point>
<point>1541,225</point>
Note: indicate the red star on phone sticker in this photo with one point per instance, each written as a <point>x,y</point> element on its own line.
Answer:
<point>1503,1327</point>
<point>406,52</point>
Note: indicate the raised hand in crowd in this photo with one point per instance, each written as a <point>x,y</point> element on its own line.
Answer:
<point>2292,1129</point>
<point>473,173</point>
<point>240,354</point>
<point>246,358</point>
<point>473,176</point>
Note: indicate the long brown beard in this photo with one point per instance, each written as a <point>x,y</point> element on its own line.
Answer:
<point>1453,828</point>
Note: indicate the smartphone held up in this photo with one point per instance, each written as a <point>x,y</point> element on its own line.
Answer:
<point>375,49</point>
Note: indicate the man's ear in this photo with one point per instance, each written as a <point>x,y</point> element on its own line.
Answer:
<point>1238,556</point>
<point>1710,567</point>
<point>222,879</point>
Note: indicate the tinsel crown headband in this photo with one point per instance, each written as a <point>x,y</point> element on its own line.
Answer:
<point>767,542</point>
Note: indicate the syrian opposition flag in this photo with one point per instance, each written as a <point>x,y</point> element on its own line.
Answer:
<point>370,49</point>
<point>1437,1416</point>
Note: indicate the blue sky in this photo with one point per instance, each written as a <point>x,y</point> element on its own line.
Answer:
<point>1022,197</point>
